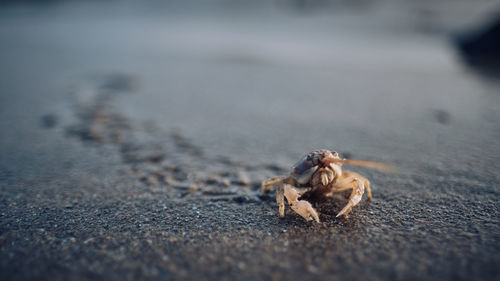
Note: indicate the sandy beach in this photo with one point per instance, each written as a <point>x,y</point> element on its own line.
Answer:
<point>136,136</point>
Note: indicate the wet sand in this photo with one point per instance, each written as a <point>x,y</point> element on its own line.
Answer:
<point>134,145</point>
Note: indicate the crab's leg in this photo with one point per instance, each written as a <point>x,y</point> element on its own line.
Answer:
<point>280,199</point>
<point>350,180</point>
<point>301,207</point>
<point>267,185</point>
<point>366,182</point>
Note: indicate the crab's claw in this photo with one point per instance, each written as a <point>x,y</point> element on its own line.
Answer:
<point>301,207</point>
<point>305,210</point>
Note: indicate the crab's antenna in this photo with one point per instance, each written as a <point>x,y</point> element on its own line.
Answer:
<point>382,167</point>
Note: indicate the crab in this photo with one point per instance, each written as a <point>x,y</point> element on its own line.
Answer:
<point>320,173</point>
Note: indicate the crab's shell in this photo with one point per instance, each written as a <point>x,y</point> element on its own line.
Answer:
<point>304,169</point>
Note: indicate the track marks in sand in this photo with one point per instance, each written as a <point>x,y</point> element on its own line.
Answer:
<point>165,162</point>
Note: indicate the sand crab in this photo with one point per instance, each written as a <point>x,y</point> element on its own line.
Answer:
<point>319,172</point>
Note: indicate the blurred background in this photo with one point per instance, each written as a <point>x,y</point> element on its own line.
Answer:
<point>267,66</point>
<point>272,67</point>
<point>201,100</point>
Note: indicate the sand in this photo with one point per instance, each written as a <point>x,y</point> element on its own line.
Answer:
<point>134,144</point>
